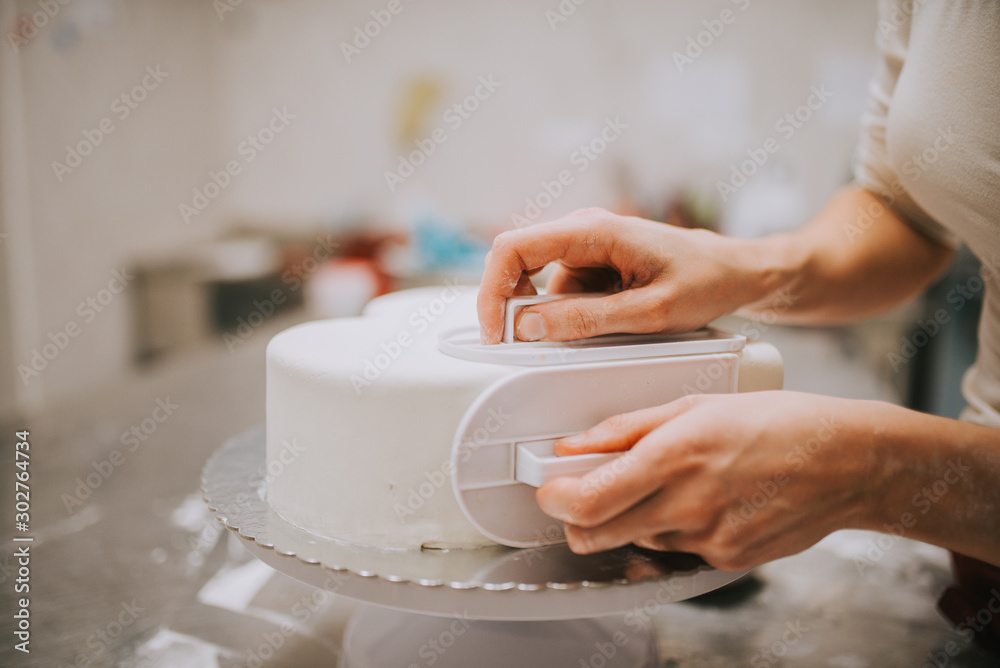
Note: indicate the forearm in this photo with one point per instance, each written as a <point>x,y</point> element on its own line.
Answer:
<point>931,479</point>
<point>856,259</point>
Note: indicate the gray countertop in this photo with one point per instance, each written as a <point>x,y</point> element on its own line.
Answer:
<point>132,569</point>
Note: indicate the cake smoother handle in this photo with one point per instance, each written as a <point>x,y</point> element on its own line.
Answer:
<point>535,462</point>
<point>517,304</point>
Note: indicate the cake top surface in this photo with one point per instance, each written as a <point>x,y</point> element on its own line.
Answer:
<point>395,338</point>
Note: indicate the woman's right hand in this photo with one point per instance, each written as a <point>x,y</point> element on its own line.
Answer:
<point>662,278</point>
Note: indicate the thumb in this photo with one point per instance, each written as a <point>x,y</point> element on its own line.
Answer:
<point>635,311</point>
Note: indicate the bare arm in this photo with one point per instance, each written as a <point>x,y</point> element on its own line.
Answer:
<point>856,259</point>
<point>937,480</point>
<point>823,463</point>
<point>878,466</point>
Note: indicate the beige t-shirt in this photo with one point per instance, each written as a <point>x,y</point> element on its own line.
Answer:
<point>930,145</point>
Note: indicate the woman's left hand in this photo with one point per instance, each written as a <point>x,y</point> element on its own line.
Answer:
<point>739,479</point>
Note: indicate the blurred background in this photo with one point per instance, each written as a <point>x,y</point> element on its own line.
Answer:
<point>181,180</point>
<point>217,151</point>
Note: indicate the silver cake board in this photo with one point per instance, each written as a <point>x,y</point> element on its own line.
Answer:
<point>494,583</point>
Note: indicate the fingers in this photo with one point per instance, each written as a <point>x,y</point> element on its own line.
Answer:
<point>568,280</point>
<point>610,490</point>
<point>702,545</point>
<point>491,332</point>
<point>635,311</point>
<point>648,517</point>
<point>524,287</point>
<point>650,465</point>
<point>591,500</point>
<point>618,432</point>
<point>663,542</point>
<point>657,523</point>
<point>579,237</point>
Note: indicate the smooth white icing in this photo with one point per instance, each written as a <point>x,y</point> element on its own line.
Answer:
<point>364,457</point>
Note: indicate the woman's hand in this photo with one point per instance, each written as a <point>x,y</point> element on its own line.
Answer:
<point>667,278</point>
<point>739,479</point>
<point>662,277</point>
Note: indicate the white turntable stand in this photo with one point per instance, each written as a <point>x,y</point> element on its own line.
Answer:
<point>541,606</point>
<point>537,604</point>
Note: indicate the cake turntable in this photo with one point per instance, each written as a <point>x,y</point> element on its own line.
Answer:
<point>529,600</point>
<point>541,606</point>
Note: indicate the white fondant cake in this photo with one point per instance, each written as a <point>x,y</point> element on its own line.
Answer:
<point>361,415</point>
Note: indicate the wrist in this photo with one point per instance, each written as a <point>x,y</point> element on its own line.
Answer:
<point>927,478</point>
<point>890,440</point>
<point>773,268</point>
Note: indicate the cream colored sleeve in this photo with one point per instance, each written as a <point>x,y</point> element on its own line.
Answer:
<point>872,167</point>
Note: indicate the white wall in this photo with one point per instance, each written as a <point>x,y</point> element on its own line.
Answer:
<point>226,74</point>
<point>122,199</point>
<point>607,59</point>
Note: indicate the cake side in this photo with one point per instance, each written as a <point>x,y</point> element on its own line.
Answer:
<point>361,416</point>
